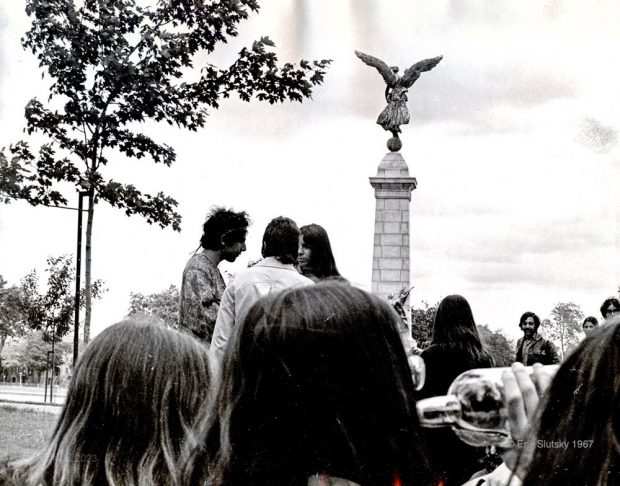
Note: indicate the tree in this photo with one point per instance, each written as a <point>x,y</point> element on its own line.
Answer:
<point>164,304</point>
<point>12,312</point>
<point>30,351</point>
<point>565,325</point>
<point>422,320</point>
<point>14,183</point>
<point>118,63</point>
<point>52,312</point>
<point>500,347</point>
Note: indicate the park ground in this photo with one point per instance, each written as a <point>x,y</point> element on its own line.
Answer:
<point>24,430</point>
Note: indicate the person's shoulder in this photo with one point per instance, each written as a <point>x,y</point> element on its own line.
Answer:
<point>197,261</point>
<point>548,343</point>
<point>301,279</point>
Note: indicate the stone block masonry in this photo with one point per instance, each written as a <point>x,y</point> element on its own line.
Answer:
<point>393,187</point>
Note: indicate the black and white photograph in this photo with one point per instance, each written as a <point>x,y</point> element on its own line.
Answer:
<point>295,242</point>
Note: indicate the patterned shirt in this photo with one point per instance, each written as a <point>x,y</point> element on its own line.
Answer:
<point>201,292</point>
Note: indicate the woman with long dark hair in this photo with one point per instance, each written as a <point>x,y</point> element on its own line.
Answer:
<point>315,382</point>
<point>455,347</point>
<point>315,257</point>
<point>133,402</point>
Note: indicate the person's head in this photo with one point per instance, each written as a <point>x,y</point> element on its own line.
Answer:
<point>315,380</point>
<point>281,240</point>
<point>225,230</point>
<point>454,327</point>
<point>315,255</point>
<point>610,307</point>
<point>589,324</point>
<point>134,398</point>
<point>581,408</point>
<point>529,324</point>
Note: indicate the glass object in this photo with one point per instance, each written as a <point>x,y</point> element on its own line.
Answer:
<point>474,407</point>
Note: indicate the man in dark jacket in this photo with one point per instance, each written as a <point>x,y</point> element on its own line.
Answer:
<point>532,347</point>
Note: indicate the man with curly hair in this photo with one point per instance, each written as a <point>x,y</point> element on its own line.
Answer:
<point>223,238</point>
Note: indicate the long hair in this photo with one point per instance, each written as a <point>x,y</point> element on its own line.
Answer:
<point>581,409</point>
<point>133,401</point>
<point>315,380</point>
<point>322,263</point>
<point>454,329</point>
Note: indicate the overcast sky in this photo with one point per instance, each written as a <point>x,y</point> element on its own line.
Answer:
<point>513,140</point>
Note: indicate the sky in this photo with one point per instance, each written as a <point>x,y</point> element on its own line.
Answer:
<point>513,140</point>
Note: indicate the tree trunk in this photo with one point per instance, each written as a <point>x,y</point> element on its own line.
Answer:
<point>87,268</point>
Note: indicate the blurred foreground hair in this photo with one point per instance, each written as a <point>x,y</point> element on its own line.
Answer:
<point>130,410</point>
<point>315,380</point>
<point>581,408</point>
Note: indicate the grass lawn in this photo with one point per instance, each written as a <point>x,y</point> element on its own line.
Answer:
<point>23,432</point>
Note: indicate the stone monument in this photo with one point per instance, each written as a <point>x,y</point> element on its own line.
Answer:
<point>390,258</point>
<point>393,184</point>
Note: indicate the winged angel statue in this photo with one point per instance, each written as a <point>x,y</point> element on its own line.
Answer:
<point>396,112</point>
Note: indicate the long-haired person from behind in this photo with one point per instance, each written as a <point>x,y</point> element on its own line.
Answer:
<point>455,347</point>
<point>315,256</point>
<point>315,386</point>
<point>133,402</point>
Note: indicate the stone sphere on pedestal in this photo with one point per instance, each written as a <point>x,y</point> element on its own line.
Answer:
<point>394,144</point>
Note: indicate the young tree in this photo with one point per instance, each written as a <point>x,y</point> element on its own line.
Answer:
<point>565,325</point>
<point>52,312</point>
<point>164,304</point>
<point>422,320</point>
<point>500,347</point>
<point>118,63</point>
<point>12,312</point>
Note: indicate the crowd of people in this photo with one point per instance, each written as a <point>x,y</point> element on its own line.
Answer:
<point>291,376</point>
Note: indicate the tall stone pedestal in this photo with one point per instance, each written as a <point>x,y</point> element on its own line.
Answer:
<point>390,262</point>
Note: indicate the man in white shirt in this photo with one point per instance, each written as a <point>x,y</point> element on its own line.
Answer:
<point>274,273</point>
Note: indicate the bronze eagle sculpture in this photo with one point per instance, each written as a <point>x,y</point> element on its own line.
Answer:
<point>396,112</point>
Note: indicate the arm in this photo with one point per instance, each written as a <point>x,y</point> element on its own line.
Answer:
<point>519,352</point>
<point>554,358</point>
<point>200,301</point>
<point>223,328</point>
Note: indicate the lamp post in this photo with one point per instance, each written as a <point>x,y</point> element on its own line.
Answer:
<point>78,268</point>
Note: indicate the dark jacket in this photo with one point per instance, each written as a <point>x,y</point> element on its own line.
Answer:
<point>452,461</point>
<point>541,351</point>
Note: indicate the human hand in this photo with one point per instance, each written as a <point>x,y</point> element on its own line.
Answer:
<point>500,476</point>
<point>522,395</point>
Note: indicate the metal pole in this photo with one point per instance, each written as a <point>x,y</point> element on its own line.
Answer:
<point>53,363</point>
<point>78,271</point>
<point>47,366</point>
